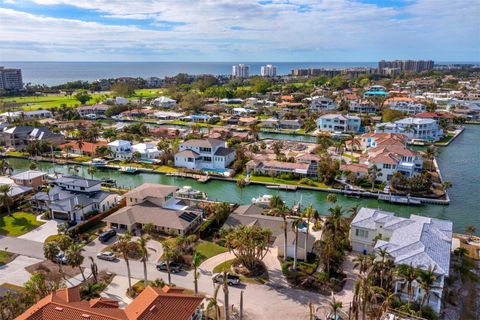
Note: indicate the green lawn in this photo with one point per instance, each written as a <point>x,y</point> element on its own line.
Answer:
<point>279,181</point>
<point>166,169</point>
<point>208,249</point>
<point>5,257</point>
<point>445,139</point>
<point>18,223</point>
<point>17,153</point>
<point>224,266</point>
<point>29,103</point>
<point>147,93</point>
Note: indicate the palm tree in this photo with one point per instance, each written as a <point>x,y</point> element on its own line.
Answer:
<point>295,226</point>
<point>331,198</point>
<point>309,214</point>
<point>6,199</point>
<point>426,279</point>
<point>373,173</point>
<point>409,274</point>
<point>226,303</point>
<point>91,170</point>
<point>213,303</point>
<point>430,155</point>
<point>169,252</point>
<point>75,258</point>
<point>125,248</point>
<point>80,145</point>
<point>33,165</point>
<point>276,202</point>
<point>241,184</point>
<point>142,245</point>
<point>470,230</point>
<point>253,130</point>
<point>196,261</point>
<point>335,305</point>
<point>353,140</point>
<point>50,251</point>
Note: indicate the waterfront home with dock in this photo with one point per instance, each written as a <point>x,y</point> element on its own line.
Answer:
<point>339,122</point>
<point>198,154</point>
<point>418,241</point>
<point>414,128</point>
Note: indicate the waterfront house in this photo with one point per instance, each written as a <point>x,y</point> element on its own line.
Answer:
<point>339,123</point>
<point>85,148</point>
<point>274,168</point>
<point>73,197</point>
<point>420,241</point>
<point>121,149</point>
<point>378,139</point>
<point>168,115</point>
<point>164,102</point>
<point>147,150</point>
<point>413,128</point>
<point>16,191</point>
<point>375,91</point>
<point>155,204</point>
<point>363,106</point>
<point>26,115</point>
<point>406,105</point>
<point>198,154</point>
<point>30,178</point>
<point>96,109</point>
<point>321,103</point>
<point>18,137</point>
<point>152,303</point>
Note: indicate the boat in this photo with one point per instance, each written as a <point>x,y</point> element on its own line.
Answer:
<point>107,182</point>
<point>263,201</point>
<point>128,170</point>
<point>98,162</point>
<point>187,192</point>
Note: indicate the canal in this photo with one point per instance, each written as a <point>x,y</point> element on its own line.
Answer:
<point>459,162</point>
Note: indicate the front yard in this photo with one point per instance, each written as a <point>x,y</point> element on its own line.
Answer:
<point>273,180</point>
<point>18,223</point>
<point>209,249</point>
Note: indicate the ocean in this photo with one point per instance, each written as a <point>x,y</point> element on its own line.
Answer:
<point>54,73</point>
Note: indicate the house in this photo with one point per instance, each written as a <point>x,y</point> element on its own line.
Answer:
<point>85,148</point>
<point>162,132</point>
<point>410,108</point>
<point>321,103</point>
<point>155,204</point>
<point>375,91</point>
<point>294,124</point>
<point>121,149</point>
<point>118,100</point>
<point>339,123</point>
<point>363,106</point>
<point>231,101</point>
<point>378,139</point>
<point>252,215</point>
<point>413,128</point>
<point>16,191</point>
<point>168,115</point>
<point>73,197</point>
<point>274,167</point>
<point>96,109</point>
<point>18,137</point>
<point>152,303</point>
<point>420,241</point>
<point>164,102</point>
<point>247,121</point>
<point>147,150</point>
<point>198,154</point>
<point>30,178</point>
<point>359,170</point>
<point>26,115</point>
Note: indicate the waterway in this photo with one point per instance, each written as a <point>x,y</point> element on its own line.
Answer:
<point>459,163</point>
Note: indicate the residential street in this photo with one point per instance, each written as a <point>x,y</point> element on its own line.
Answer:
<point>274,300</point>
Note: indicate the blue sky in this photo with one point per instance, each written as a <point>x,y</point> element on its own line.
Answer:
<point>232,30</point>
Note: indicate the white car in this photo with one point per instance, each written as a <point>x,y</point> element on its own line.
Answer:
<point>107,255</point>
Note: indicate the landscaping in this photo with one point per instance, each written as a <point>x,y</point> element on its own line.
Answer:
<point>18,223</point>
<point>208,249</point>
<point>227,267</point>
<point>6,257</point>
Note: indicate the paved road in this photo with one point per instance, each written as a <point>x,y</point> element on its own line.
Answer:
<point>273,300</point>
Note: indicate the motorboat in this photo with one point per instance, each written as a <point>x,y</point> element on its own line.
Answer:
<point>263,201</point>
<point>188,192</point>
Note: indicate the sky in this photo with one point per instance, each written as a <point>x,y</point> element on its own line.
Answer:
<point>239,30</point>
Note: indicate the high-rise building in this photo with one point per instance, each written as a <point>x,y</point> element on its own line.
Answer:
<point>268,71</point>
<point>406,65</point>
<point>240,71</point>
<point>11,79</point>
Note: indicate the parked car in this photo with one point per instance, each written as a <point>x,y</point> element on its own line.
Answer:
<point>231,279</point>
<point>107,255</point>
<point>174,267</point>
<point>61,258</point>
<point>107,235</point>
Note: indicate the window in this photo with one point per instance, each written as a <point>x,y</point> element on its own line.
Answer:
<point>361,233</point>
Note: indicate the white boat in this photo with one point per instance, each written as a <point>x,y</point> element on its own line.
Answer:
<point>263,201</point>
<point>399,199</point>
<point>98,162</point>
<point>188,192</point>
<point>128,170</point>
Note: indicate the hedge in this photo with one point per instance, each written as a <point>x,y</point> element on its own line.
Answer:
<point>88,224</point>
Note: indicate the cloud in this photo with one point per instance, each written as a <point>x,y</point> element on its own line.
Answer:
<point>328,30</point>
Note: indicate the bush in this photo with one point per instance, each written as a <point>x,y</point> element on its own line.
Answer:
<point>307,182</point>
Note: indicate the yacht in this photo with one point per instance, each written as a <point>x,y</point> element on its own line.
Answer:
<point>263,201</point>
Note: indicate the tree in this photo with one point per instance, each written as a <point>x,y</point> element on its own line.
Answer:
<point>295,227</point>
<point>169,253</point>
<point>75,258</point>
<point>136,156</point>
<point>196,261</point>
<point>426,280</point>
<point>331,198</point>
<point>6,199</point>
<point>373,173</point>
<point>241,184</point>
<point>33,165</point>
<point>50,251</point>
<point>249,244</point>
<point>91,170</point>
<point>470,230</point>
<point>142,245</point>
<point>276,202</point>
<point>122,89</point>
<point>38,287</point>
<point>408,273</point>
<point>126,248</point>
<point>213,303</point>
<point>192,101</point>
<point>83,97</point>
<point>309,213</point>
<point>430,155</point>
<point>335,305</point>
<point>253,130</point>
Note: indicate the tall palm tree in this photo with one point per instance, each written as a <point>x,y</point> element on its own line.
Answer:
<point>50,251</point>
<point>169,252</point>
<point>409,274</point>
<point>213,302</point>
<point>125,247</point>
<point>353,140</point>
<point>295,227</point>
<point>335,305</point>
<point>196,261</point>
<point>283,211</point>
<point>91,170</point>
<point>308,214</point>
<point>430,155</point>
<point>6,199</point>
<point>75,257</point>
<point>241,184</point>
<point>331,198</point>
<point>142,245</point>
<point>373,173</point>
<point>426,280</point>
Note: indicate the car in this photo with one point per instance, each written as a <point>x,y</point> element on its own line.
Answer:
<point>60,258</point>
<point>231,279</point>
<point>107,235</point>
<point>71,223</point>
<point>174,267</point>
<point>106,255</point>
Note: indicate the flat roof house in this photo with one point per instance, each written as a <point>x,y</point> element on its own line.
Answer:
<point>420,241</point>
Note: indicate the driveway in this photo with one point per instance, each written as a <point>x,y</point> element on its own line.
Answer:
<point>117,290</point>
<point>15,273</point>
<point>43,232</point>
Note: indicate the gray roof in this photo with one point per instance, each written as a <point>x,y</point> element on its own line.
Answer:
<point>65,200</point>
<point>291,240</point>
<point>29,174</point>
<point>222,151</point>
<point>420,241</point>
<point>187,153</point>
<point>204,143</point>
<point>19,129</point>
<point>77,181</point>
<point>153,190</point>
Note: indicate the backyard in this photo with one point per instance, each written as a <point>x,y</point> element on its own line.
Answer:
<point>18,223</point>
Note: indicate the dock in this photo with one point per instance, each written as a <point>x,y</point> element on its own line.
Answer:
<point>198,177</point>
<point>283,187</point>
<point>399,199</point>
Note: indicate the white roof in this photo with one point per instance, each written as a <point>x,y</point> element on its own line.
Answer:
<point>421,241</point>
<point>415,121</point>
<point>163,99</point>
<point>339,116</point>
<point>29,174</point>
<point>118,143</point>
<point>144,146</point>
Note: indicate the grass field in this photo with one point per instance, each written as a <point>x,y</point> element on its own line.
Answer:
<point>272,180</point>
<point>224,266</point>
<point>147,93</point>
<point>18,223</point>
<point>209,249</point>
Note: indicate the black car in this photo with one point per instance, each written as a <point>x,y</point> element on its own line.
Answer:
<point>107,235</point>
<point>174,267</point>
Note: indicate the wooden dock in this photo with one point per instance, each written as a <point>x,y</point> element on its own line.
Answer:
<point>283,187</point>
<point>198,177</point>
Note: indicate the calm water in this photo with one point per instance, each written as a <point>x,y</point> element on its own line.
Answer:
<point>53,73</point>
<point>459,163</point>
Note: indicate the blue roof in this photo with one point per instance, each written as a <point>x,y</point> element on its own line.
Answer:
<point>200,116</point>
<point>375,93</point>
